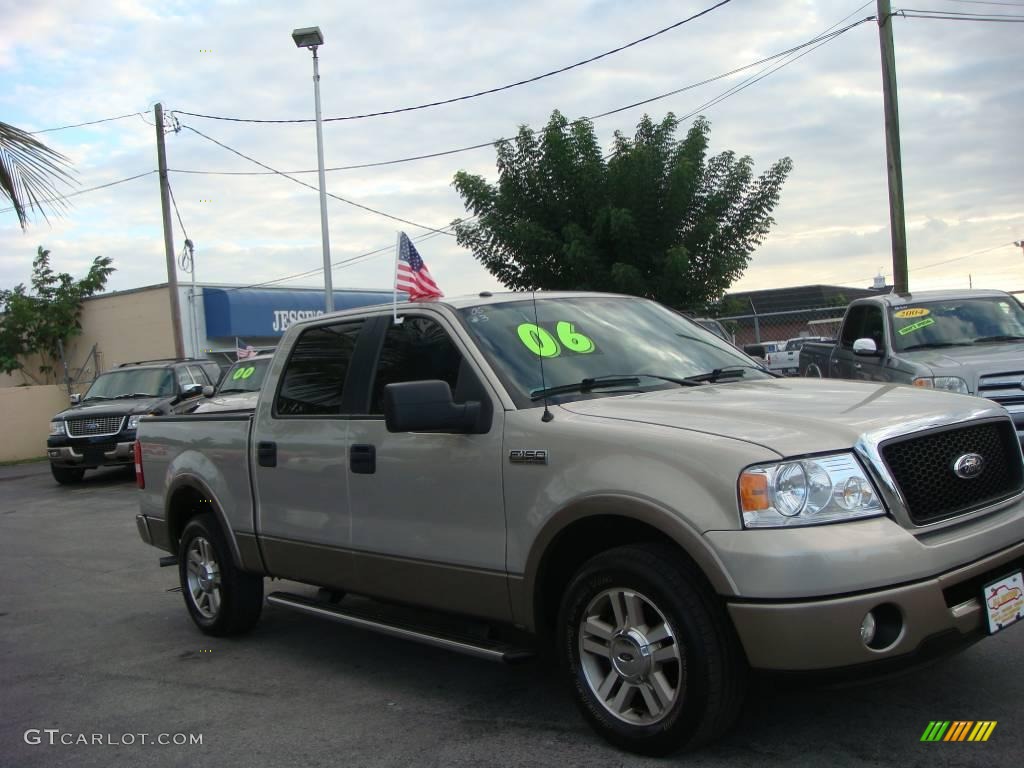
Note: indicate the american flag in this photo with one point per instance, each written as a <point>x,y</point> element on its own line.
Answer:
<point>243,351</point>
<point>413,277</point>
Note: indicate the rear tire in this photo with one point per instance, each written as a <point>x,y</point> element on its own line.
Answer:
<point>67,475</point>
<point>649,651</point>
<point>221,599</point>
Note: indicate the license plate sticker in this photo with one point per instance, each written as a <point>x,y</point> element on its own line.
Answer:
<point>1004,602</point>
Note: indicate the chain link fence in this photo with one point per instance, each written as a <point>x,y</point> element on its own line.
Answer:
<point>765,328</point>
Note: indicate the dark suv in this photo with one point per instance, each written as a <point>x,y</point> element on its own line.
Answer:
<point>98,430</point>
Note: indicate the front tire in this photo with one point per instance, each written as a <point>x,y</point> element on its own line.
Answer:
<point>221,599</point>
<point>67,475</point>
<point>649,652</point>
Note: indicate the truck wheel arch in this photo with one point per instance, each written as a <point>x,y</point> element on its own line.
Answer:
<point>590,526</point>
<point>188,496</point>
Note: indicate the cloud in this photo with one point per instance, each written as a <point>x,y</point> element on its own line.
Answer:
<point>960,107</point>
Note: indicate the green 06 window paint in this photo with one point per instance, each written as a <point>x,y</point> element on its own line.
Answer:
<point>573,340</point>
<point>538,340</point>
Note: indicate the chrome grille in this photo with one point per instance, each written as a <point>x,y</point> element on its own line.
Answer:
<point>1004,388</point>
<point>922,466</point>
<point>97,425</point>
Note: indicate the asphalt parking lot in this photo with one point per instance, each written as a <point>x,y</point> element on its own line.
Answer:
<point>94,641</point>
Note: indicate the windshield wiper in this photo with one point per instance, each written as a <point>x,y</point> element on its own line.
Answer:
<point>937,345</point>
<point>95,397</point>
<point>233,390</point>
<point>586,385</point>
<point>133,394</point>
<point>732,372</point>
<point>1004,337</point>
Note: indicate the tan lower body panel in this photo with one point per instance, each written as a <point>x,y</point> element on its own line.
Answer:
<point>825,634</point>
<point>472,592</point>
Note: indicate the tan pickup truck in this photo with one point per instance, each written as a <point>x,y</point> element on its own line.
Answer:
<point>598,475</point>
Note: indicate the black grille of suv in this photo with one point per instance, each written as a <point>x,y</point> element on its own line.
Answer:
<point>923,469</point>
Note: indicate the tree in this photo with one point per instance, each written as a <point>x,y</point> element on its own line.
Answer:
<point>30,172</point>
<point>657,219</point>
<point>37,323</point>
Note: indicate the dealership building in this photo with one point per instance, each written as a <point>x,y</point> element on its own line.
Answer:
<point>132,325</point>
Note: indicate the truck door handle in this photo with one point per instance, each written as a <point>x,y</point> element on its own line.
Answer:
<point>857,366</point>
<point>363,459</point>
<point>266,454</point>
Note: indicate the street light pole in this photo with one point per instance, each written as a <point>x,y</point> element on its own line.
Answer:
<point>311,38</point>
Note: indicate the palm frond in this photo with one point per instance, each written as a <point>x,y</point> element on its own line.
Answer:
<point>30,173</point>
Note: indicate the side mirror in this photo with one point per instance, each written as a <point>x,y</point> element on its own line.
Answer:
<point>865,348</point>
<point>427,406</point>
<point>75,399</point>
<point>191,390</point>
<point>208,391</point>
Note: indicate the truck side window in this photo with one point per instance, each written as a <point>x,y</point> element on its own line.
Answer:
<point>314,378</point>
<point>874,326</point>
<point>853,325</point>
<point>184,378</point>
<point>198,375</point>
<point>417,350</point>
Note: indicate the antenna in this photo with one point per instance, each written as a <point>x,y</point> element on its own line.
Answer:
<point>548,416</point>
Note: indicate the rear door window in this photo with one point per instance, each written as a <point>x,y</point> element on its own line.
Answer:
<point>313,380</point>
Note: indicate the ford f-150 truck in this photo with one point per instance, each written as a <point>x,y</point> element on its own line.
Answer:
<point>969,342</point>
<point>597,475</point>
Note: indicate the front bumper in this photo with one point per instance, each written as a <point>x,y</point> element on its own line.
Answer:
<point>824,634</point>
<point>86,457</point>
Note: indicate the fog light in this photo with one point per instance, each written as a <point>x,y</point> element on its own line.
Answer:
<point>867,628</point>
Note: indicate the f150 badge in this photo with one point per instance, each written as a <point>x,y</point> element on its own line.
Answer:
<point>528,457</point>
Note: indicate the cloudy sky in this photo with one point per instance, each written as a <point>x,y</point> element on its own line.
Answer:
<point>961,88</point>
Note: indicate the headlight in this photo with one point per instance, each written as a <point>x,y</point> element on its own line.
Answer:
<point>825,489</point>
<point>56,428</point>
<point>133,421</point>
<point>945,383</point>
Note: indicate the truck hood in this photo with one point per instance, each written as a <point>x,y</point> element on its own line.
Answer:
<point>982,358</point>
<point>790,416</point>
<point>114,407</point>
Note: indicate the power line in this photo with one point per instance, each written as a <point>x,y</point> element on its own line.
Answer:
<point>910,13</point>
<point>83,191</point>
<point>781,54</point>
<point>310,186</point>
<point>468,96</point>
<point>334,264</point>
<point>960,13</point>
<point>186,260</point>
<point>91,122</point>
<point>924,266</point>
<point>986,2</point>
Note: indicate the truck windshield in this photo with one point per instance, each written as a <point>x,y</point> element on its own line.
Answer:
<point>244,376</point>
<point>593,338</point>
<point>156,382</point>
<point>956,322</point>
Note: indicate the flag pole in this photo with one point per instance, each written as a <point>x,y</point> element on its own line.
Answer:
<point>398,250</point>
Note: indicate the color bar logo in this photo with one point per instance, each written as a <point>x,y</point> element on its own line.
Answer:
<point>958,730</point>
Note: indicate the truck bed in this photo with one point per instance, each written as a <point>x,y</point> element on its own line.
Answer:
<point>818,354</point>
<point>212,450</point>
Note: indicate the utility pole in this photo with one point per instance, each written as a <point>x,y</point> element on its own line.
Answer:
<point>897,217</point>
<point>165,204</point>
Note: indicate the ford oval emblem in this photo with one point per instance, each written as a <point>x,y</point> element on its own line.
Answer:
<point>92,425</point>
<point>969,466</point>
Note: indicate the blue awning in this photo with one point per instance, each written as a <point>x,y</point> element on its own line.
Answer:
<point>267,313</point>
